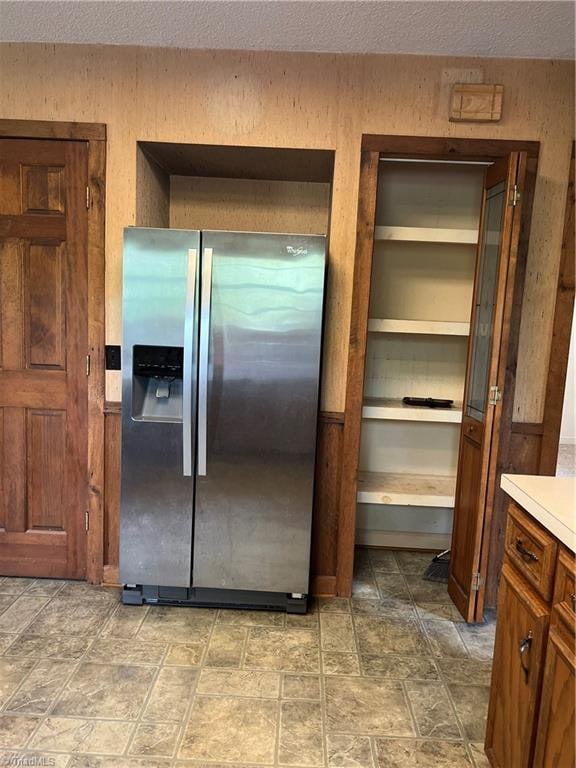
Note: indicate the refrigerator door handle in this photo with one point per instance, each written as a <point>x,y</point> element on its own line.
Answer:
<point>188,363</point>
<point>205,306</point>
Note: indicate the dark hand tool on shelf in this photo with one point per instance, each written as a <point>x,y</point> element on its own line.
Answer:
<point>428,402</point>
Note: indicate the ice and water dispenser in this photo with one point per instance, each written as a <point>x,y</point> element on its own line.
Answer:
<point>157,383</point>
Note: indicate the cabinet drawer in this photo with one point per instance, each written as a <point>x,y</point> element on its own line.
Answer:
<point>565,583</point>
<point>531,549</point>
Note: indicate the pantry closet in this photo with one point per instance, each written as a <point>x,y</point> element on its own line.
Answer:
<point>442,227</point>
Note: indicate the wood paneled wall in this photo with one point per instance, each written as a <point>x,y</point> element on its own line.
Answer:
<point>325,521</point>
<point>309,101</point>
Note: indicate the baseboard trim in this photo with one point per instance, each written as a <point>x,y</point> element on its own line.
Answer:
<point>402,539</point>
<point>323,586</point>
<point>111,576</point>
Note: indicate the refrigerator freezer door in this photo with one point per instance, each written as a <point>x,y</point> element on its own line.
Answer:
<point>254,504</point>
<point>160,308</point>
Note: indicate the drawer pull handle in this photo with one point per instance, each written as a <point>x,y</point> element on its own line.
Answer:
<point>573,598</point>
<point>524,646</point>
<point>530,557</point>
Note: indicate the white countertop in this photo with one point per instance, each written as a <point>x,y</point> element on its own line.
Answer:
<point>549,500</point>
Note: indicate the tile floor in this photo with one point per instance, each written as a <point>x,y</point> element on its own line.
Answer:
<point>389,678</point>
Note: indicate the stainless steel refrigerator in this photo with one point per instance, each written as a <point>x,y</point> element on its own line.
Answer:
<point>220,376</point>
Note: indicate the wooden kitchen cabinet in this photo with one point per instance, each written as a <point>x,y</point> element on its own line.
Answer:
<point>533,691</point>
<point>556,732</point>
<point>517,672</point>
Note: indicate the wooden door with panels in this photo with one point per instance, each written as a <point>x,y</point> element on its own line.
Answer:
<point>43,357</point>
<point>485,377</point>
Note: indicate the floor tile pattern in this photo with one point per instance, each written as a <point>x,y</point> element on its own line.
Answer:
<point>392,678</point>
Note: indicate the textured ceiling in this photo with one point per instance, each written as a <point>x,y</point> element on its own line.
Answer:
<point>517,28</point>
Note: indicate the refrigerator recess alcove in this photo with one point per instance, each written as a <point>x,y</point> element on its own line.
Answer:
<point>220,413</point>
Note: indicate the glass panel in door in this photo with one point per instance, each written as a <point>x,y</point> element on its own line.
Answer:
<point>485,302</point>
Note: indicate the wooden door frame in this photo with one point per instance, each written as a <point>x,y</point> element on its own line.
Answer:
<point>426,148</point>
<point>94,134</point>
<point>561,333</point>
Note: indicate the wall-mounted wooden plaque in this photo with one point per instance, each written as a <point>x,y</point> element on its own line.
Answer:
<point>476,102</point>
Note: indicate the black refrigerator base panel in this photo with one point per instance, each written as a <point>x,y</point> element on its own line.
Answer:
<point>213,598</point>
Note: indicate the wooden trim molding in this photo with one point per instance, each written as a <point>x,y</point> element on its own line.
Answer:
<point>49,129</point>
<point>111,576</point>
<point>443,147</point>
<point>331,417</point>
<point>526,428</point>
<point>323,586</point>
<point>355,373</point>
<point>111,526</point>
<point>95,136</point>
<point>562,328</point>
<point>325,517</point>
<point>425,147</point>
<point>96,341</point>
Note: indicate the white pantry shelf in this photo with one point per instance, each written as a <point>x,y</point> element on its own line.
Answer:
<point>396,410</point>
<point>430,327</point>
<point>406,490</point>
<point>427,234</point>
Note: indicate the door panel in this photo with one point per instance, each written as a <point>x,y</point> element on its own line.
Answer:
<point>43,346</point>
<point>13,453</point>
<point>487,355</point>
<point>44,305</point>
<point>469,472</point>
<point>254,504</point>
<point>516,673</point>
<point>42,189</point>
<point>12,325</point>
<point>46,441</point>
<point>556,733</point>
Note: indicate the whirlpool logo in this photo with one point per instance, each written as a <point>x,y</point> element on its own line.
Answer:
<point>297,251</point>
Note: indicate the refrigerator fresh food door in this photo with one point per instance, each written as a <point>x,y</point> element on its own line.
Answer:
<point>159,380</point>
<point>259,362</point>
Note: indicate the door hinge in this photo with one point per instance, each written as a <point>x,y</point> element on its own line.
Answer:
<point>87,197</point>
<point>87,365</point>
<point>495,395</point>
<point>515,196</point>
<point>87,520</point>
<point>477,582</point>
